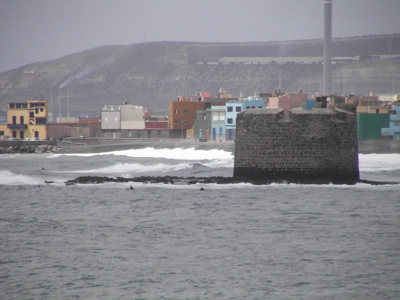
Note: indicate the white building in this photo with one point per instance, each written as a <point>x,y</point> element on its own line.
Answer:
<point>125,116</point>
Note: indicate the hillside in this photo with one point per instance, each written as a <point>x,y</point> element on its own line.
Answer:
<point>152,74</point>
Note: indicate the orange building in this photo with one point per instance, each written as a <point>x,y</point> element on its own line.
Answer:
<point>183,113</point>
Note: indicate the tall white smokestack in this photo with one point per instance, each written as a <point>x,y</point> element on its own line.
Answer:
<point>327,72</point>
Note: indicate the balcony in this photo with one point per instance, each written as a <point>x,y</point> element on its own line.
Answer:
<point>17,126</point>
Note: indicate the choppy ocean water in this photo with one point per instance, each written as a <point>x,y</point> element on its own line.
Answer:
<point>279,241</point>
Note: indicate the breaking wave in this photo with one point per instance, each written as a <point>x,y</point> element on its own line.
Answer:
<point>176,153</point>
<point>9,178</point>
<point>131,168</point>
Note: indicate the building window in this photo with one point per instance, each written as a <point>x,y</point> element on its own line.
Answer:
<point>14,120</point>
<point>185,111</point>
<point>247,107</point>
<point>238,109</point>
<point>21,135</point>
<point>175,111</point>
<point>176,122</point>
<point>21,120</point>
<point>185,122</point>
<point>229,109</point>
<point>41,121</point>
<point>260,107</point>
<point>1,132</point>
<point>14,134</point>
<point>230,121</point>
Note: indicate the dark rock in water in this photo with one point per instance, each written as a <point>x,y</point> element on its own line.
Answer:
<point>195,180</point>
<point>29,149</point>
<point>152,179</point>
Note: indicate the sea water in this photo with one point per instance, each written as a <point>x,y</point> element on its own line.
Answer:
<point>163,241</point>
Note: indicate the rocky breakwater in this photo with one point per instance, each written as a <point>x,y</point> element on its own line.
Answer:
<point>29,149</point>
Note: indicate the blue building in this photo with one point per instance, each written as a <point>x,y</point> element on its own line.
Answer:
<point>393,132</point>
<point>308,104</point>
<point>218,122</point>
<point>233,107</point>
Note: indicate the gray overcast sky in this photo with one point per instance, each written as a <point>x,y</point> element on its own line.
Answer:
<point>40,30</point>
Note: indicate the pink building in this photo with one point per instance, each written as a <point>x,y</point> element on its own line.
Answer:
<point>287,101</point>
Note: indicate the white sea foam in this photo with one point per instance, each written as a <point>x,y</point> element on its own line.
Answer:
<point>220,163</point>
<point>120,168</point>
<point>176,153</point>
<point>379,162</point>
<point>9,178</point>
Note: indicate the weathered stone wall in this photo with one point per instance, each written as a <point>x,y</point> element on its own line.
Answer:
<point>306,146</point>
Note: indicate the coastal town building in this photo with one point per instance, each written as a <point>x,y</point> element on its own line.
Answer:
<point>200,117</point>
<point>76,127</point>
<point>202,125</point>
<point>125,116</point>
<point>393,130</point>
<point>233,107</point>
<point>372,115</point>
<point>287,101</point>
<point>26,120</point>
<point>218,117</point>
<point>182,115</point>
<point>132,121</point>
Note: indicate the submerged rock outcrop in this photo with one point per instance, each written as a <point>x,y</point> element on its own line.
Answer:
<point>29,149</point>
<point>194,180</point>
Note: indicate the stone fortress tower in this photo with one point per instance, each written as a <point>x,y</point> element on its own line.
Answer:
<point>306,146</point>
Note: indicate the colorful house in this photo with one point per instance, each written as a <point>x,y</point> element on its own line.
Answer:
<point>287,101</point>
<point>218,122</point>
<point>26,120</point>
<point>393,131</point>
<point>233,107</point>
<point>182,115</point>
<point>369,125</point>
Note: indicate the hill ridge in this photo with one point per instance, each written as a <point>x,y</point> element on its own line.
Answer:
<point>154,73</point>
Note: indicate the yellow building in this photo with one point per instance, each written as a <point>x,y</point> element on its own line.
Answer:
<point>26,120</point>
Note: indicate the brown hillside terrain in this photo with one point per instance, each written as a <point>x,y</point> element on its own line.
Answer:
<point>152,74</point>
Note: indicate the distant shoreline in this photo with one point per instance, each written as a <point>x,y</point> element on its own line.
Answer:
<point>93,145</point>
<point>107,145</point>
